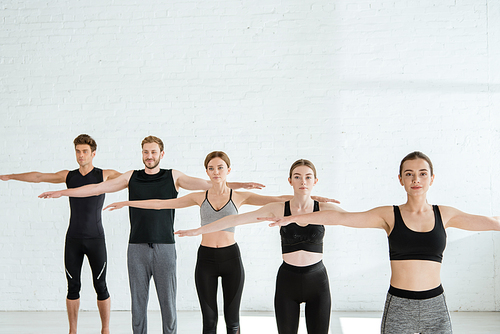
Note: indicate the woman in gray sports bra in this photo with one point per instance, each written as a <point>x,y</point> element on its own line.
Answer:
<point>218,254</point>
<point>415,302</point>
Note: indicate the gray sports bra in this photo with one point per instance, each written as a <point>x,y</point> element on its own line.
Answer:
<point>208,214</point>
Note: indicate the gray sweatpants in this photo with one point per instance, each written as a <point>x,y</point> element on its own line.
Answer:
<point>416,316</point>
<point>159,261</point>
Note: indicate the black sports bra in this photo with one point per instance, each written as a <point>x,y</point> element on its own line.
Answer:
<point>406,244</point>
<point>308,238</point>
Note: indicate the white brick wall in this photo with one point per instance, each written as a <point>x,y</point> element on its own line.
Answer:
<point>351,85</point>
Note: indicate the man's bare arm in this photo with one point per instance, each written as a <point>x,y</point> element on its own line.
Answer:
<point>37,177</point>
<point>110,186</point>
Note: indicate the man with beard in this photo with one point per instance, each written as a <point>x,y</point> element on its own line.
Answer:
<point>151,250</point>
<point>85,235</point>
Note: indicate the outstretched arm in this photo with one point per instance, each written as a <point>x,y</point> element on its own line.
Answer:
<point>110,186</point>
<point>234,220</point>
<point>244,185</point>
<point>251,198</point>
<point>158,204</point>
<point>36,177</point>
<point>332,215</point>
<point>194,183</point>
<point>458,219</point>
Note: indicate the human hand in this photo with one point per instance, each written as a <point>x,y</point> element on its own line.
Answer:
<point>50,194</point>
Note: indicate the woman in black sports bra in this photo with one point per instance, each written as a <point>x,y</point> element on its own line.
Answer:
<point>302,276</point>
<point>416,230</point>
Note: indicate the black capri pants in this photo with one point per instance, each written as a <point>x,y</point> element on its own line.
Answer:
<point>226,263</point>
<point>296,285</point>
<point>74,252</point>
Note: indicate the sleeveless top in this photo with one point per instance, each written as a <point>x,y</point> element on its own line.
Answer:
<point>308,238</point>
<point>150,225</point>
<point>85,221</point>
<point>406,244</point>
<point>208,214</point>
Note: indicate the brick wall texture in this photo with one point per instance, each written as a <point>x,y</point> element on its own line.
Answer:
<point>353,85</point>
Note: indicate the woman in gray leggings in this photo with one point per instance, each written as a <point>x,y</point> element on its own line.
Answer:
<point>417,238</point>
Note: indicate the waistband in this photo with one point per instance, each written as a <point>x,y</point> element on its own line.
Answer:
<point>416,294</point>
<point>219,254</point>
<point>301,270</point>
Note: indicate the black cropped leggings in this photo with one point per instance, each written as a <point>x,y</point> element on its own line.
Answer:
<point>74,252</point>
<point>296,285</point>
<point>213,263</point>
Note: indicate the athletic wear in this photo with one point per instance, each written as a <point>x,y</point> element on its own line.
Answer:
<point>406,244</point>
<point>412,312</point>
<point>421,315</point>
<point>151,226</point>
<point>226,263</point>
<point>151,250</point>
<point>159,261</point>
<point>74,251</point>
<point>295,285</point>
<point>208,214</point>
<point>308,238</point>
<point>85,220</point>
<point>426,294</point>
<point>85,236</point>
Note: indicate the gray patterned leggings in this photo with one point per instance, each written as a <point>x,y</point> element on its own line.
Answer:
<point>415,316</point>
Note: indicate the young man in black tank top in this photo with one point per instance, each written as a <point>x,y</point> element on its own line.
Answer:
<point>85,235</point>
<point>151,251</point>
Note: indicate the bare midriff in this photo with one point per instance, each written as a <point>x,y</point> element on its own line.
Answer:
<point>415,275</point>
<point>218,239</point>
<point>302,258</point>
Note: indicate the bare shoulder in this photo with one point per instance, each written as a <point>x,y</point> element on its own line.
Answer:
<point>276,208</point>
<point>448,212</point>
<point>242,195</point>
<point>198,196</point>
<point>63,173</point>
<point>57,177</point>
<point>387,210</point>
<point>124,178</point>
<point>109,174</point>
<point>327,206</point>
<point>127,174</point>
<point>176,174</point>
<point>384,212</point>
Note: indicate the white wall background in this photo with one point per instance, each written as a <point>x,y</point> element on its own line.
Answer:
<point>353,85</point>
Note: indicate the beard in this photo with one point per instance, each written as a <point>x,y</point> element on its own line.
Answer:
<point>155,163</point>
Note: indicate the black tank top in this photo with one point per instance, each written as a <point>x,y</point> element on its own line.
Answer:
<point>151,226</point>
<point>308,238</point>
<point>406,244</point>
<point>85,220</point>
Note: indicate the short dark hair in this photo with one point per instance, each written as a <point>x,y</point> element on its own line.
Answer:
<point>84,139</point>
<point>414,156</point>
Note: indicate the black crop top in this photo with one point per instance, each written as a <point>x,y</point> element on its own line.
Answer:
<point>406,244</point>
<point>308,238</point>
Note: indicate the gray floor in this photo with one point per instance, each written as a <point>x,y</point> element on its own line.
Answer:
<point>251,322</point>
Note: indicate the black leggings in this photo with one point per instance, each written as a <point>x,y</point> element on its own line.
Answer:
<point>295,285</point>
<point>226,263</point>
<point>74,251</point>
